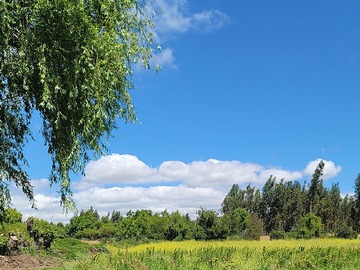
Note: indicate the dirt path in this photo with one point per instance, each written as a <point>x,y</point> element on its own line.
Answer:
<point>24,261</point>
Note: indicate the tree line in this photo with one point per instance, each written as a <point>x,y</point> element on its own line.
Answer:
<point>281,205</point>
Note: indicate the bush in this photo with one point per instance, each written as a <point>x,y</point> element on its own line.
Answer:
<point>275,235</point>
<point>345,231</point>
<point>254,228</point>
<point>41,231</point>
<point>309,226</point>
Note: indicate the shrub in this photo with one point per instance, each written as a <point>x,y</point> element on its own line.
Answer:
<point>345,231</point>
<point>41,231</point>
<point>254,228</point>
<point>309,226</point>
<point>275,235</point>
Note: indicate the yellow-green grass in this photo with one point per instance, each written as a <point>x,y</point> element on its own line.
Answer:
<point>316,254</point>
<point>294,243</point>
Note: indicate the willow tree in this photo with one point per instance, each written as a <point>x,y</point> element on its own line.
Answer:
<point>71,61</point>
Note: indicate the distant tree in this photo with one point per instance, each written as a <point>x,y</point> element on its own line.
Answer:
<point>334,206</point>
<point>269,211</point>
<point>293,208</point>
<point>87,220</point>
<point>237,221</point>
<point>234,199</point>
<point>256,203</point>
<point>249,196</point>
<point>315,188</point>
<point>115,216</point>
<point>179,227</point>
<point>71,61</point>
<point>356,211</point>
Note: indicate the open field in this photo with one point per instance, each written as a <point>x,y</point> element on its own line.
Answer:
<point>305,243</point>
<point>284,254</point>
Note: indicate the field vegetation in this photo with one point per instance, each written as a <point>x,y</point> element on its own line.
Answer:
<point>277,254</point>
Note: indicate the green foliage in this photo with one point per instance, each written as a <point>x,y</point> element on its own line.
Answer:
<point>254,229</point>
<point>3,244</point>
<point>71,61</point>
<point>276,235</point>
<point>179,227</point>
<point>60,230</point>
<point>42,227</point>
<point>87,220</point>
<point>210,226</point>
<point>237,221</point>
<point>73,248</point>
<point>315,189</point>
<point>225,258</point>
<point>18,228</point>
<point>310,226</point>
<point>345,231</point>
<point>10,215</point>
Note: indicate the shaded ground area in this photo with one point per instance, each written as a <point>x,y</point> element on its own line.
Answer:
<point>24,261</point>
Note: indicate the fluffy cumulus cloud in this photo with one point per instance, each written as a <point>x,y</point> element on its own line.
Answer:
<point>129,170</point>
<point>124,182</point>
<point>115,168</point>
<point>156,198</point>
<point>210,173</point>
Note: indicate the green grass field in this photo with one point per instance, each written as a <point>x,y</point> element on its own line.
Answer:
<point>281,254</point>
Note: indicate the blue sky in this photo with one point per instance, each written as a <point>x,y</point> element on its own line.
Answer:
<point>247,89</point>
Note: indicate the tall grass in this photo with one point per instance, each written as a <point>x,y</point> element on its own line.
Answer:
<point>307,254</point>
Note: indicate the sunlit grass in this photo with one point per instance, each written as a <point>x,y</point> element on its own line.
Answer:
<point>192,245</point>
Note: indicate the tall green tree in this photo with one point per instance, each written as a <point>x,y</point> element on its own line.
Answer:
<point>233,200</point>
<point>357,203</point>
<point>315,188</point>
<point>269,211</point>
<point>71,61</point>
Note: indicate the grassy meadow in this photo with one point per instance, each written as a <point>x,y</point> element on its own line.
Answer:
<point>279,254</point>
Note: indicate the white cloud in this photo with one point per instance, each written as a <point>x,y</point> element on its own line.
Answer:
<point>210,173</point>
<point>279,174</point>
<point>209,20</point>
<point>175,18</point>
<point>198,184</point>
<point>48,207</point>
<point>116,168</point>
<point>330,169</point>
<point>40,184</point>
<point>156,198</point>
<point>127,169</point>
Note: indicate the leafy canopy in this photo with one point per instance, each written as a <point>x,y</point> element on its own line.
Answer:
<point>71,61</point>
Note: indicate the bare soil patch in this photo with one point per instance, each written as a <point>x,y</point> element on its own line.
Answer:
<point>24,261</point>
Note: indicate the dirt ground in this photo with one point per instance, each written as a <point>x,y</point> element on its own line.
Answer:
<point>24,261</point>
